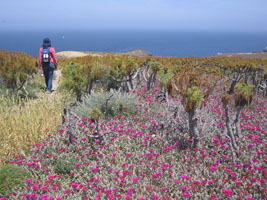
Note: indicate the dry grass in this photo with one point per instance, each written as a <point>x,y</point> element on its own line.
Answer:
<point>26,122</point>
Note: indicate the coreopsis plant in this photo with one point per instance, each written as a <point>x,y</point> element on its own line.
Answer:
<point>193,86</point>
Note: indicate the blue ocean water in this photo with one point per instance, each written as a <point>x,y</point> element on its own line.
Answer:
<point>159,43</point>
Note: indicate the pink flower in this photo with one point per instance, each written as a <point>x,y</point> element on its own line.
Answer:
<point>163,189</point>
<point>238,182</point>
<point>144,175</point>
<point>227,192</point>
<point>253,179</point>
<point>155,197</point>
<point>74,185</point>
<point>212,168</point>
<point>260,152</point>
<point>184,187</point>
<point>110,197</point>
<point>78,164</point>
<point>251,145</point>
<point>142,198</point>
<point>135,179</point>
<point>210,182</point>
<point>29,180</point>
<point>68,191</point>
<point>186,194</point>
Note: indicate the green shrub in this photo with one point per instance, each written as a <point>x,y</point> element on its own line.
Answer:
<point>11,176</point>
<point>75,79</point>
<point>243,94</point>
<point>118,102</point>
<point>194,97</point>
<point>64,165</point>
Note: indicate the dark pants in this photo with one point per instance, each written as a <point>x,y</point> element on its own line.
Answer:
<point>48,74</point>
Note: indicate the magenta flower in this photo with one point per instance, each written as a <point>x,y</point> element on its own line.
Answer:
<point>186,194</point>
<point>227,192</point>
<point>210,182</point>
<point>75,185</point>
<point>212,168</point>
<point>260,152</point>
<point>184,187</point>
<point>251,145</point>
<point>238,182</point>
<point>61,130</point>
<point>135,179</point>
<point>127,197</point>
<point>155,197</point>
<point>28,180</point>
<point>163,189</point>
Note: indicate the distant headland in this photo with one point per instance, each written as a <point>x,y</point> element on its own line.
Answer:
<point>73,54</point>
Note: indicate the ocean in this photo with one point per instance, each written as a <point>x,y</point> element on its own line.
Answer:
<point>159,43</point>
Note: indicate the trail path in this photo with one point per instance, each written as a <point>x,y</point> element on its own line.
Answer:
<point>55,83</point>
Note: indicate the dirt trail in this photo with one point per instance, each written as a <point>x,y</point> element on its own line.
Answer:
<point>55,83</point>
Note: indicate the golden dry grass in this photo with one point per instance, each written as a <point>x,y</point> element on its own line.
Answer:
<point>26,122</point>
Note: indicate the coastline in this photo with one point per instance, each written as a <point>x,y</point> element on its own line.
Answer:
<point>258,55</point>
<point>141,52</point>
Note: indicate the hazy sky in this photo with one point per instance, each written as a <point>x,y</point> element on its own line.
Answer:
<point>237,15</point>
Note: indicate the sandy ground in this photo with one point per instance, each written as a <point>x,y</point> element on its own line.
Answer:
<point>73,54</point>
<point>55,82</point>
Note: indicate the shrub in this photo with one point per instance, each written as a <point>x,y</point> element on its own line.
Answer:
<point>11,176</point>
<point>118,103</point>
<point>16,68</point>
<point>63,165</point>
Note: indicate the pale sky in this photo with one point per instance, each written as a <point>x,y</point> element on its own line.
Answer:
<point>226,15</point>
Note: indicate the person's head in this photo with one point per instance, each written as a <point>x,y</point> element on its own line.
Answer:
<point>46,43</point>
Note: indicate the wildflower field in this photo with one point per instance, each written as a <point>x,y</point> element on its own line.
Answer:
<point>185,139</point>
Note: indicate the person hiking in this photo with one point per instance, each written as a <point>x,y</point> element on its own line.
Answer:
<point>48,62</point>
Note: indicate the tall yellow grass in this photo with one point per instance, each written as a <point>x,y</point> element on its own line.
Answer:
<point>26,122</point>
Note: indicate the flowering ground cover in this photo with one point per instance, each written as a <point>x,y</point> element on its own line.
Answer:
<point>148,155</point>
